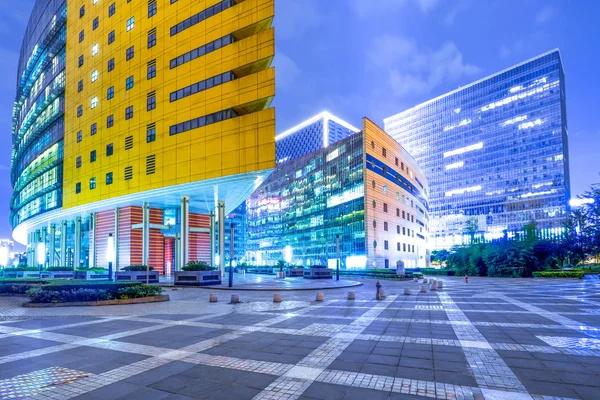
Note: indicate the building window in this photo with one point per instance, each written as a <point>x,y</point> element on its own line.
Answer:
<point>93,129</point>
<point>129,143</point>
<point>92,183</point>
<point>95,23</point>
<point>372,144</point>
<point>383,152</point>
<point>111,37</point>
<point>129,112</point>
<point>92,156</point>
<point>201,86</point>
<point>151,69</point>
<point>109,150</point>
<point>374,243</point>
<point>374,224</point>
<point>385,225</point>
<point>81,11</point>
<point>112,9</point>
<point>384,207</point>
<point>78,188</point>
<point>79,136</point>
<point>201,16</point>
<point>397,212</point>
<point>80,86</point>
<point>384,189</point>
<point>384,170</point>
<point>385,245</point>
<point>152,38</point>
<point>150,133</point>
<point>398,229</point>
<point>110,120</point>
<point>202,121</point>
<point>78,162</point>
<point>152,9</point>
<point>396,161</point>
<point>374,204</point>
<point>109,178</point>
<point>130,24</point>
<point>94,75</point>
<point>402,166</point>
<point>79,111</point>
<point>95,49</point>
<point>398,246</point>
<point>202,50</point>
<point>404,230</point>
<point>111,64</point>
<point>81,36</point>
<point>373,183</point>
<point>80,61</point>
<point>151,101</point>
<point>129,83</point>
<point>110,92</point>
<point>94,102</point>
<point>403,214</point>
<point>403,246</point>
<point>129,53</point>
<point>128,173</point>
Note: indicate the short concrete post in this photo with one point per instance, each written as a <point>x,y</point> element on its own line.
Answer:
<point>382,293</point>
<point>434,281</point>
<point>235,298</point>
<point>424,280</point>
<point>276,297</point>
<point>440,284</point>
<point>213,297</point>
<point>416,279</point>
<point>407,291</point>
<point>423,289</point>
<point>319,296</point>
<point>351,296</point>
<point>432,286</point>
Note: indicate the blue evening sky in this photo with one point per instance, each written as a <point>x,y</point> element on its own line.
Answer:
<point>375,58</point>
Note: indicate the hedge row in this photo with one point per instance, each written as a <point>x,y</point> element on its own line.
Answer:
<point>558,274</point>
<point>21,286</point>
<point>42,295</point>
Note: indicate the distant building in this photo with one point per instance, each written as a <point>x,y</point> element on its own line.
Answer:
<point>313,134</point>
<point>365,188</point>
<point>495,153</point>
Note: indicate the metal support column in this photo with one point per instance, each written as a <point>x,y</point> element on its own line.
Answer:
<point>52,245</point>
<point>145,233</point>
<point>36,239</point>
<point>221,220</point>
<point>77,250</point>
<point>177,265</point>
<point>44,239</point>
<point>92,241</point>
<point>63,244</point>
<point>116,235</point>
<point>212,239</point>
<point>185,230</point>
<point>29,244</point>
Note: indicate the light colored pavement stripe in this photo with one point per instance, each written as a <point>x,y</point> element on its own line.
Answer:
<point>490,371</point>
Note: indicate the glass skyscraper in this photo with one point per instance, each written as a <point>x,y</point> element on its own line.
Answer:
<point>495,153</point>
<point>313,134</point>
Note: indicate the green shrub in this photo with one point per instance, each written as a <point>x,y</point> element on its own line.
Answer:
<point>558,274</point>
<point>433,271</point>
<point>138,291</point>
<point>137,268</point>
<point>198,266</point>
<point>59,269</point>
<point>20,268</point>
<point>97,270</point>
<point>38,295</point>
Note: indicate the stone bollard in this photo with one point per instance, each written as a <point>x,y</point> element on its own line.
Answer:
<point>432,286</point>
<point>440,284</point>
<point>382,293</point>
<point>423,289</point>
<point>319,296</point>
<point>213,297</point>
<point>407,291</point>
<point>276,297</point>
<point>416,279</point>
<point>424,280</point>
<point>351,296</point>
<point>235,298</point>
<point>434,281</point>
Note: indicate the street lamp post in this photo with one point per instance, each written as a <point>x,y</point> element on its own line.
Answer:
<point>231,244</point>
<point>41,255</point>
<point>110,255</point>
<point>337,260</point>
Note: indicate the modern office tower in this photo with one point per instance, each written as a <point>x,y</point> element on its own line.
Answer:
<point>137,119</point>
<point>365,188</point>
<point>495,153</point>
<point>314,133</point>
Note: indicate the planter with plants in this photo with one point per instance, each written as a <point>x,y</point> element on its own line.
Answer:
<point>92,274</point>
<point>93,295</point>
<point>281,273</point>
<point>21,271</point>
<point>295,271</point>
<point>58,273</point>
<point>318,272</point>
<point>136,273</point>
<point>197,273</point>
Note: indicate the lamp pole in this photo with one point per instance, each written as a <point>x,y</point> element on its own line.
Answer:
<point>231,244</point>
<point>110,255</point>
<point>337,260</point>
<point>41,256</point>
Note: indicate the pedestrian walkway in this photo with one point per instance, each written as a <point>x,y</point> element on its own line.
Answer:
<point>490,339</point>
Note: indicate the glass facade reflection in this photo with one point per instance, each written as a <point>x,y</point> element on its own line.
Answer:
<point>495,152</point>
<point>364,188</point>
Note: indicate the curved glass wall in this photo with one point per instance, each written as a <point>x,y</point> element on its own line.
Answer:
<point>37,124</point>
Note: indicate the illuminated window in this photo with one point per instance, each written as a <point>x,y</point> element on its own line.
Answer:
<point>150,133</point>
<point>95,49</point>
<point>109,178</point>
<point>94,102</point>
<point>384,189</point>
<point>92,183</point>
<point>94,75</point>
<point>92,156</point>
<point>130,23</point>
<point>95,1</point>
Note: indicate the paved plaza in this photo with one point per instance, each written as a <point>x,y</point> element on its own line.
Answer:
<point>491,339</point>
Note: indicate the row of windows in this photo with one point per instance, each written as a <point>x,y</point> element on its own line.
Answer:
<point>150,132</point>
<point>386,246</point>
<point>384,154</point>
<point>202,121</point>
<point>201,16</point>
<point>202,50</point>
<point>405,231</point>
<point>128,174</point>
<point>202,85</point>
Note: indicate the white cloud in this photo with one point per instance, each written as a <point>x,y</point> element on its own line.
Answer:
<point>545,15</point>
<point>286,70</point>
<point>294,18</point>
<point>414,71</point>
<point>370,8</point>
